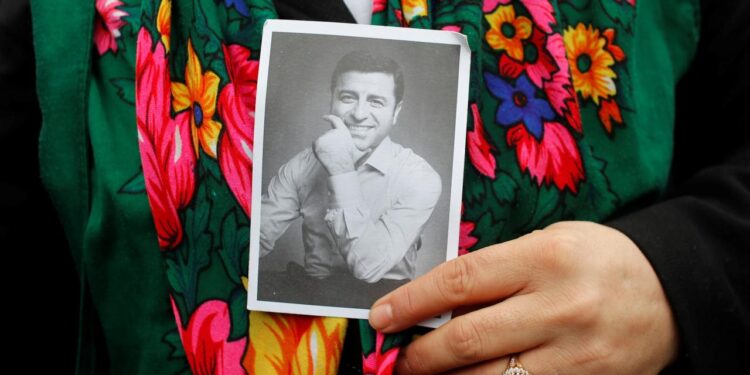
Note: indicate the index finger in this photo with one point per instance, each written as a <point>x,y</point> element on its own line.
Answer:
<point>336,122</point>
<point>490,274</point>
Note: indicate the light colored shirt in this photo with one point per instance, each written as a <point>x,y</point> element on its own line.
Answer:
<point>361,10</point>
<point>369,221</point>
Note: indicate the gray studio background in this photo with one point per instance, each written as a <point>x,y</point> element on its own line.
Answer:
<point>299,95</point>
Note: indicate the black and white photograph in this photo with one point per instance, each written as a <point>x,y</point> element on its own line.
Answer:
<point>358,164</point>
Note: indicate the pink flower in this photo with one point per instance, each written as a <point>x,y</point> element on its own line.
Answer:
<point>542,13</point>
<point>490,5</point>
<point>480,150</point>
<point>206,340</point>
<point>378,363</point>
<point>237,111</point>
<point>454,28</point>
<point>559,89</point>
<point>107,25</point>
<point>552,159</point>
<point>465,239</point>
<point>378,5</point>
<point>167,158</point>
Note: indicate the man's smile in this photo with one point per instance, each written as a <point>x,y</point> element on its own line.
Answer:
<point>359,129</point>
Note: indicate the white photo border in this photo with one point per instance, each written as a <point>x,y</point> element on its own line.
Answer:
<point>371,32</point>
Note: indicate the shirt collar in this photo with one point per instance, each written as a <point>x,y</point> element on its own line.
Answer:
<point>383,156</point>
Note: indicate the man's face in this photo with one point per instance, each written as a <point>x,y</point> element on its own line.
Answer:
<point>366,103</point>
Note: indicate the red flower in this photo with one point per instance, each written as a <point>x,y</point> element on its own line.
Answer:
<point>609,111</point>
<point>480,150</point>
<point>537,62</point>
<point>552,159</point>
<point>378,363</point>
<point>465,239</point>
<point>167,158</point>
<point>206,340</point>
<point>237,111</point>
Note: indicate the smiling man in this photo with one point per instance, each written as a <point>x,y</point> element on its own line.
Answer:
<point>363,198</point>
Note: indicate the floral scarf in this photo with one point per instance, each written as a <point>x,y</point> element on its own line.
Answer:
<point>549,87</point>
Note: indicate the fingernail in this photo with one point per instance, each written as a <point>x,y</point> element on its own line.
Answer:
<point>381,316</point>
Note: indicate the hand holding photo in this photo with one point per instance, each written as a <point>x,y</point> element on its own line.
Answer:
<point>364,196</point>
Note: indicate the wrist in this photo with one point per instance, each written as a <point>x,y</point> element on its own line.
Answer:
<point>345,190</point>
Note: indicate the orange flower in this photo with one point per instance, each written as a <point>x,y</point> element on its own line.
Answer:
<point>508,31</point>
<point>199,95</point>
<point>294,344</point>
<point>164,21</point>
<point>590,63</point>
<point>413,8</point>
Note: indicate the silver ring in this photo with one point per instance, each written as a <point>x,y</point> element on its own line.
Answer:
<point>515,367</point>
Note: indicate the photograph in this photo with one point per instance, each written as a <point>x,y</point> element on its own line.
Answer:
<point>358,164</point>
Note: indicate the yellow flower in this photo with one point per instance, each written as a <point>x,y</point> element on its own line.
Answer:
<point>293,344</point>
<point>164,22</point>
<point>199,95</point>
<point>413,8</point>
<point>590,63</point>
<point>508,31</point>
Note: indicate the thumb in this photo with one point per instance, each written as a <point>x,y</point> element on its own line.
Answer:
<point>335,121</point>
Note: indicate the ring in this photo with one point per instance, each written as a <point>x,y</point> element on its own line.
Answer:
<point>515,367</point>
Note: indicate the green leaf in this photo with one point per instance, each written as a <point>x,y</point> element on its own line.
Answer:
<point>235,240</point>
<point>211,166</point>
<point>621,13</point>
<point>172,339</point>
<point>136,185</point>
<point>420,22</point>
<point>133,17</point>
<point>488,230</point>
<point>125,89</point>
<point>238,314</point>
<point>505,188</point>
<point>366,337</point>
<point>197,220</point>
<point>174,276</point>
<point>393,340</point>
<point>196,246</point>
<point>574,6</point>
<point>595,200</point>
<point>548,203</point>
<point>474,191</point>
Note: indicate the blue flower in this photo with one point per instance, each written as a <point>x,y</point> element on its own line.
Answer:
<point>239,5</point>
<point>518,104</point>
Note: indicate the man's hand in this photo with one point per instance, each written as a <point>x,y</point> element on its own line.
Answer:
<point>574,298</point>
<point>335,149</point>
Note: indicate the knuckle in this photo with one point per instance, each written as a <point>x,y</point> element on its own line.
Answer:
<point>465,341</point>
<point>557,251</point>
<point>595,353</point>
<point>413,360</point>
<point>454,282</point>
<point>406,303</point>
<point>580,310</point>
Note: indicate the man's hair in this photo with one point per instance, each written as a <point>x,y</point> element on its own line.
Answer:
<point>366,62</point>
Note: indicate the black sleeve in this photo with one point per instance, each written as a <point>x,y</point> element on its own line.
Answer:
<point>44,291</point>
<point>698,238</point>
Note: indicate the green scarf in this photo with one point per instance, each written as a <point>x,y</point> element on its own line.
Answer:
<point>148,111</point>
